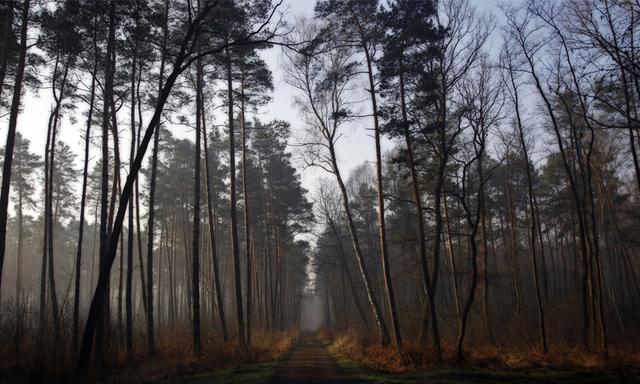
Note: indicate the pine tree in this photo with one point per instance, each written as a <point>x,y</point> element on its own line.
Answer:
<point>11,132</point>
<point>411,39</point>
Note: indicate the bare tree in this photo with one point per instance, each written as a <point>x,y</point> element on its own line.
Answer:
<point>459,50</point>
<point>512,86</point>
<point>481,109</point>
<point>324,79</point>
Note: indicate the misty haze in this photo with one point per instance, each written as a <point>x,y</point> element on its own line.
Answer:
<point>319,191</point>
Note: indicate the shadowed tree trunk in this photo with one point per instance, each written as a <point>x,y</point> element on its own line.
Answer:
<point>103,314</point>
<point>83,199</point>
<point>382,232</point>
<point>151,343</point>
<point>11,132</point>
<point>235,247</point>
<point>247,215</point>
<point>130,220</point>
<point>50,170</point>
<point>382,326</point>
<point>212,238</point>
<point>345,268</point>
<point>532,206</point>
<point>195,290</point>
<point>417,199</point>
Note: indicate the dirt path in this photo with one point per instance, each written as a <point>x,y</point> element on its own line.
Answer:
<point>310,362</point>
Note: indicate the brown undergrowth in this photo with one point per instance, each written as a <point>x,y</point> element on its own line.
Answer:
<point>413,357</point>
<point>174,357</point>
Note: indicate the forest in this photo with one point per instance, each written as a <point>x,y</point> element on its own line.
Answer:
<point>453,185</point>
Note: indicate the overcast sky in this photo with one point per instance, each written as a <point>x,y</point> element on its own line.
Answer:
<point>354,148</point>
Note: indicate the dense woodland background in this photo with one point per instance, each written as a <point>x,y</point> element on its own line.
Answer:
<point>503,212</point>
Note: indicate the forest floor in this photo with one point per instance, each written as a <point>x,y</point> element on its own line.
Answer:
<point>308,362</point>
<point>312,361</point>
<point>484,375</point>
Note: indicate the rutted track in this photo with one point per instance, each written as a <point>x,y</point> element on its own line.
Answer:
<point>310,362</point>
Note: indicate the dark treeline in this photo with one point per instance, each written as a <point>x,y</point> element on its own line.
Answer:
<point>503,215</point>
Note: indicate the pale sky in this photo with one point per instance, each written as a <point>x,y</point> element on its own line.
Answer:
<point>357,144</point>
<point>353,149</point>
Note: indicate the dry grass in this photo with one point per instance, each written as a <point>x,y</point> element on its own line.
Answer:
<point>412,357</point>
<point>174,357</point>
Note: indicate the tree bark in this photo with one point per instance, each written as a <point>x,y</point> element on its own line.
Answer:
<point>247,215</point>
<point>382,232</point>
<point>343,263</point>
<point>130,221</point>
<point>182,61</point>
<point>213,237</point>
<point>235,248</point>
<point>50,221</point>
<point>532,207</point>
<point>104,188</point>
<point>417,197</point>
<point>195,290</point>
<point>11,132</point>
<point>83,199</point>
<point>375,307</point>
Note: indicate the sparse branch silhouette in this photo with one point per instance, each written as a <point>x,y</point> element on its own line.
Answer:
<point>282,191</point>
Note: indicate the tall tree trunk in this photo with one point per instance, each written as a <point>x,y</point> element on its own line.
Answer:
<point>45,219</point>
<point>383,331</point>
<point>593,242</point>
<point>235,249</point>
<point>195,290</point>
<point>18,301</point>
<point>474,224</point>
<point>212,237</point>
<point>130,221</point>
<point>50,220</point>
<point>443,154</point>
<point>417,197</point>
<point>452,259</point>
<point>11,132</point>
<point>143,284</point>
<point>247,215</point>
<point>151,344</point>
<point>532,207</point>
<point>382,232</point>
<point>345,268</point>
<point>103,315</point>
<point>513,239</point>
<point>572,182</point>
<point>474,221</point>
<point>181,62</point>
<point>83,203</point>
<point>20,214</point>
<point>486,316</point>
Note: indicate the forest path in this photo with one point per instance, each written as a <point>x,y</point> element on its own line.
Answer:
<point>310,362</point>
